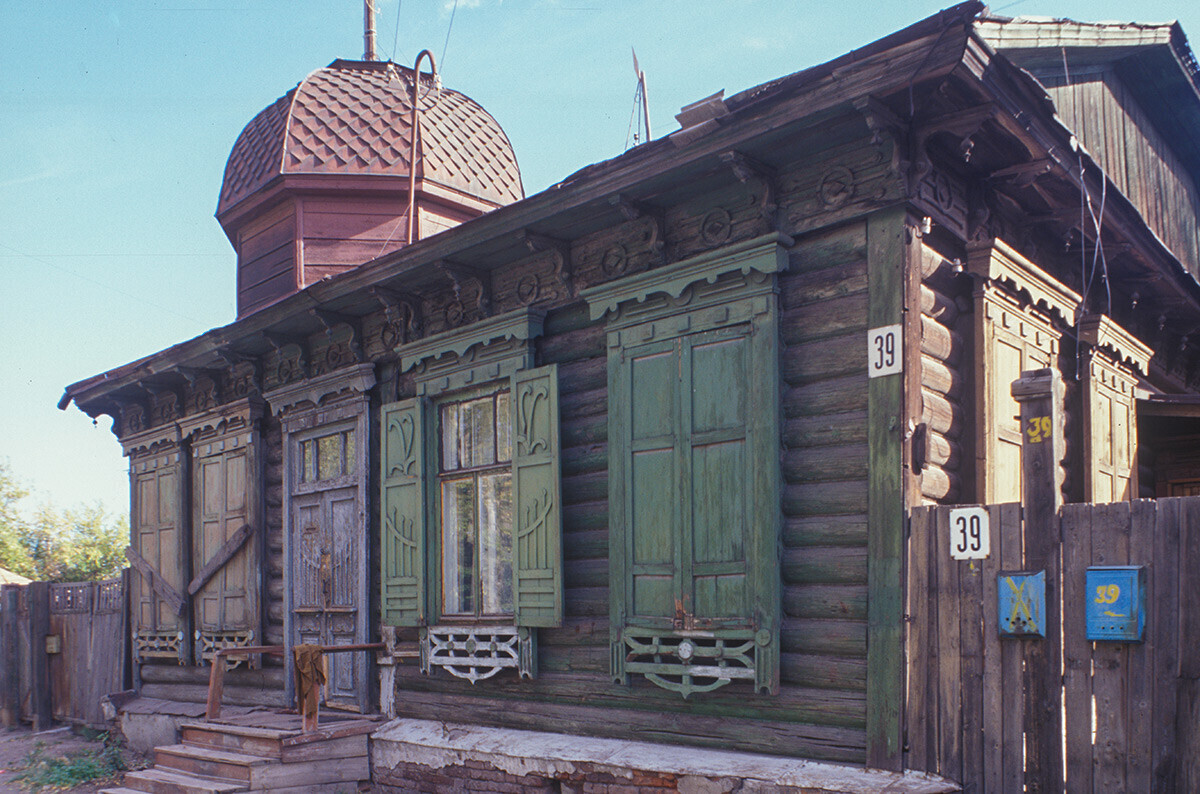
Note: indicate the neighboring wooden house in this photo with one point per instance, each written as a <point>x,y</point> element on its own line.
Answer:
<point>632,457</point>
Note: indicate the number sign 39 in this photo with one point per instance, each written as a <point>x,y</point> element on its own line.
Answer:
<point>969,536</point>
<point>885,355</point>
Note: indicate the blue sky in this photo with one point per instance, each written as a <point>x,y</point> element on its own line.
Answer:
<point>116,119</point>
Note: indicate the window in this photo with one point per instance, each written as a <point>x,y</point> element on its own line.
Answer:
<point>475,505</point>
<point>471,523</point>
<point>694,472</point>
<point>327,457</point>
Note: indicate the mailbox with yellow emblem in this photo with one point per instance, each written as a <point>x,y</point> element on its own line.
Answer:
<point>1116,602</point>
<point>1022,604</point>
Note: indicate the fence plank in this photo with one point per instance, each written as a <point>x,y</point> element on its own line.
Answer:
<point>1110,546</point>
<point>40,704</point>
<point>1162,631</point>
<point>1012,654</point>
<point>950,681</point>
<point>917,722</point>
<point>1140,658</point>
<point>1188,708</point>
<point>10,681</point>
<point>1077,651</point>
<point>993,669</point>
<point>970,609</point>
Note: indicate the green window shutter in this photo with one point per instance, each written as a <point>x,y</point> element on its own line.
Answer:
<point>402,503</point>
<point>537,536</point>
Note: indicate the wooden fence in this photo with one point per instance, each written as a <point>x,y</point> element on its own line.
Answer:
<point>1057,713</point>
<point>62,648</point>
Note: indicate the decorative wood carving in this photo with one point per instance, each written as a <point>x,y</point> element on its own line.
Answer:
<point>348,382</point>
<point>751,172</point>
<point>403,317</point>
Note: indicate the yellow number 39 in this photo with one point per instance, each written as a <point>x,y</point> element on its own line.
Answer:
<point>1107,594</point>
<point>1039,429</point>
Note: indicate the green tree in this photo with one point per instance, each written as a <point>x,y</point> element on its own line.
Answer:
<point>74,545</point>
<point>13,554</point>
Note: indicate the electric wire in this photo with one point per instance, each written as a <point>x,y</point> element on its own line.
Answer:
<point>396,37</point>
<point>449,28</point>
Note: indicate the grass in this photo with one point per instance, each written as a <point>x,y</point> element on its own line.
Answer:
<point>42,772</point>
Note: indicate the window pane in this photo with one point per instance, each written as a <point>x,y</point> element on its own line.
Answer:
<point>348,445</point>
<point>307,461</point>
<point>329,457</point>
<point>458,546</point>
<point>479,447</point>
<point>496,543</point>
<point>503,428</point>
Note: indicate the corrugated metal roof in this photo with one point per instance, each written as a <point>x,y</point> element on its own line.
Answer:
<point>353,118</point>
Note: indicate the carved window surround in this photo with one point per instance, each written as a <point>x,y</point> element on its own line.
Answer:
<point>999,265</point>
<point>349,383</point>
<point>488,350</point>
<point>765,255</point>
<point>1099,331</point>
<point>478,652</point>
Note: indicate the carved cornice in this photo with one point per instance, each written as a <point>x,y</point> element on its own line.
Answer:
<point>353,380</point>
<point>522,324</point>
<point>997,262</point>
<point>234,417</point>
<point>1099,331</point>
<point>154,441</point>
<point>765,254</point>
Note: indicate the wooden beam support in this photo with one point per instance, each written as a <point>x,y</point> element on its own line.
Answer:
<point>159,585</point>
<point>1040,395</point>
<point>222,556</point>
<point>887,267</point>
<point>41,704</point>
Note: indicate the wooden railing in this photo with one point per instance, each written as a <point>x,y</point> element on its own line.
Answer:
<point>216,678</point>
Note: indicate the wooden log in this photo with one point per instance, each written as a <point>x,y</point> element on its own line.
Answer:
<point>826,601</point>
<point>943,452</point>
<point>580,431</point>
<point>939,378</point>
<point>584,460</point>
<point>940,485</point>
<point>828,498</point>
<point>232,696</point>
<point>941,415</point>
<point>827,565</point>
<point>827,396</point>
<point>586,601</point>
<point>843,530</point>
<point>833,246</point>
<point>584,402</point>
<point>833,317</point>
<point>586,573</point>
<point>940,343</point>
<point>938,306</point>
<point>834,357</point>
<point>572,345</point>
<point>585,488</point>
<point>586,517</point>
<point>585,544</point>
<point>846,638</point>
<point>237,677</point>
<point>849,427</point>
<point>584,375</point>
<point>824,672</point>
<point>818,464</point>
<point>814,286</point>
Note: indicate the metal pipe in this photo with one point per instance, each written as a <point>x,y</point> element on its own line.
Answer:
<point>369,30</point>
<point>414,133</point>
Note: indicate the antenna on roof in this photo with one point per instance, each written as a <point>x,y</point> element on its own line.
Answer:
<point>369,30</point>
<point>640,118</point>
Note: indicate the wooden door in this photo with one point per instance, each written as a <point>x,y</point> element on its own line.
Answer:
<point>328,565</point>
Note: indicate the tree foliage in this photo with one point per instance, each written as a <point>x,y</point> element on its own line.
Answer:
<point>77,544</point>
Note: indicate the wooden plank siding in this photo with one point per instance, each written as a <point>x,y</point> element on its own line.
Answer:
<point>1102,111</point>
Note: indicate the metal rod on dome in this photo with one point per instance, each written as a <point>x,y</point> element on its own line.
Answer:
<point>414,133</point>
<point>369,30</point>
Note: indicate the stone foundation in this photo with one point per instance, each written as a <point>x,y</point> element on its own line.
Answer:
<point>428,756</point>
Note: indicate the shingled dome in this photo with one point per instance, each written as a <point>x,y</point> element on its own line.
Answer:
<point>334,152</point>
<point>352,117</point>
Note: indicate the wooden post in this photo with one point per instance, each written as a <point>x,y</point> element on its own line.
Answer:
<point>1040,395</point>
<point>888,253</point>
<point>10,681</point>
<point>40,704</point>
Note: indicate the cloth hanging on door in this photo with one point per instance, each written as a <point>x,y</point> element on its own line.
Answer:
<point>310,675</point>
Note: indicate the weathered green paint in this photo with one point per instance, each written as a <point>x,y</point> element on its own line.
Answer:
<point>537,504</point>
<point>402,503</point>
<point>886,267</point>
<point>694,477</point>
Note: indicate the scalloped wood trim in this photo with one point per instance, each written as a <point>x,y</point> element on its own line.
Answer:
<point>355,380</point>
<point>522,324</point>
<point>997,261</point>
<point>766,254</point>
<point>1099,330</point>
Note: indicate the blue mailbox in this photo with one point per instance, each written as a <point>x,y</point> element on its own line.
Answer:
<point>1116,602</point>
<point>1022,602</point>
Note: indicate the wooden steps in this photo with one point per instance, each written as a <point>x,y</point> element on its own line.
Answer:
<point>222,758</point>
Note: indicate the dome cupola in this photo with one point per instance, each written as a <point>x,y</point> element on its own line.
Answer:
<point>318,182</point>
